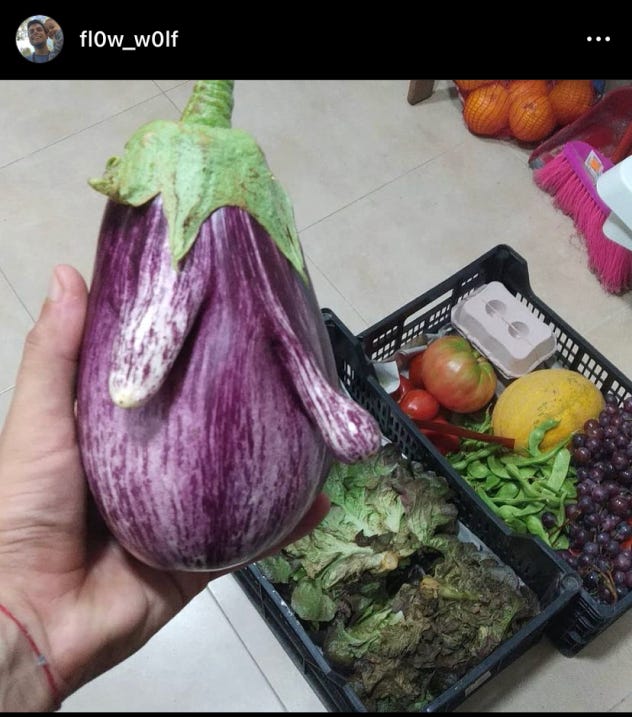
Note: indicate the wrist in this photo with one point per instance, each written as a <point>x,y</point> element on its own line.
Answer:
<point>27,683</point>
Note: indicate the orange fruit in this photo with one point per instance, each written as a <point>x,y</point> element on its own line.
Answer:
<point>518,88</point>
<point>467,85</point>
<point>570,99</point>
<point>486,109</point>
<point>531,118</point>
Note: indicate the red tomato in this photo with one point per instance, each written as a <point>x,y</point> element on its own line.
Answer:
<point>459,378</point>
<point>419,405</point>
<point>404,387</point>
<point>444,442</point>
<point>414,370</point>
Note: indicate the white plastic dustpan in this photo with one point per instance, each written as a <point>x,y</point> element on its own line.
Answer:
<point>615,189</point>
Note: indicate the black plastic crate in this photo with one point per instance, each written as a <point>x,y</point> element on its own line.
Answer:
<point>549,577</point>
<point>586,618</point>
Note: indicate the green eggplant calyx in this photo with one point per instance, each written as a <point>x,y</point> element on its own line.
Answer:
<point>200,164</point>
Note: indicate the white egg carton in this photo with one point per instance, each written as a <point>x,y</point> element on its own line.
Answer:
<point>504,330</point>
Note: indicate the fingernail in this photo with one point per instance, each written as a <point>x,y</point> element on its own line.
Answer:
<point>56,288</point>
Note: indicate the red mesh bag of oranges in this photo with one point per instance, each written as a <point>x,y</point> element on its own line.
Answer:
<point>528,111</point>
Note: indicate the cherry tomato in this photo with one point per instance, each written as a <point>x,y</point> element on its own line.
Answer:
<point>419,405</point>
<point>404,387</point>
<point>414,370</point>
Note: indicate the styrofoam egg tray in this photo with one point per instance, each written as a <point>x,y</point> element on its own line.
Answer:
<point>504,330</point>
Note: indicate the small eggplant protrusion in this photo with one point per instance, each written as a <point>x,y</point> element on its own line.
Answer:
<point>156,321</point>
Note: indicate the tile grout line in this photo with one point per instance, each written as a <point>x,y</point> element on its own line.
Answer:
<point>252,657</point>
<point>335,288</point>
<point>83,129</point>
<point>620,702</point>
<point>164,92</point>
<point>160,91</point>
<point>377,189</point>
<point>351,203</point>
<point>17,296</point>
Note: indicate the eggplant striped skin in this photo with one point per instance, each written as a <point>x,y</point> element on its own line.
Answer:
<point>156,323</point>
<point>223,459</point>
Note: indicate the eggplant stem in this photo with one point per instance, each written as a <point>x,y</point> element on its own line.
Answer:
<point>211,103</point>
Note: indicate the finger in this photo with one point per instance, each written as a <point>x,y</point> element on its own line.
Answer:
<point>44,392</point>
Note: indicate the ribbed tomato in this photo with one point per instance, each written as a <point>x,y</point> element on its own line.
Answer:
<point>458,376</point>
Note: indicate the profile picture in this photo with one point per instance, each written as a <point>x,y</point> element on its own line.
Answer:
<point>39,38</point>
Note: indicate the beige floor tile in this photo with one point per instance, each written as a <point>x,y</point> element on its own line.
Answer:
<point>624,706</point>
<point>543,680</point>
<point>427,225</point>
<point>430,223</point>
<point>194,664</point>
<point>36,114</point>
<point>64,226</point>
<point>329,297</point>
<point>14,324</point>
<point>285,678</point>
<point>611,337</point>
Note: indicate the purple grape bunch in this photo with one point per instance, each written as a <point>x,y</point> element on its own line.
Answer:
<point>599,523</point>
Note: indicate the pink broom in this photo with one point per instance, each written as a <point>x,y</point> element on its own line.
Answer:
<point>570,177</point>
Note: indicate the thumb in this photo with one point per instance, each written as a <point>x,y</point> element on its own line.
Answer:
<point>45,387</point>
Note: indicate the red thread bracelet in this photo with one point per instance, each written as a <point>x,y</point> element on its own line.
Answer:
<point>41,659</point>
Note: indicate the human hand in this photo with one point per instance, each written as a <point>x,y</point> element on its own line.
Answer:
<point>87,603</point>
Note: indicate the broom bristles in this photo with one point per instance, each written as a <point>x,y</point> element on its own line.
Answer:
<point>554,175</point>
<point>609,261</point>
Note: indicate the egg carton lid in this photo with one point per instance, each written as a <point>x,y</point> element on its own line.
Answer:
<point>504,330</point>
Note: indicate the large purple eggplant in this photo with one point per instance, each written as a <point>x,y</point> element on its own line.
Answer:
<point>208,404</point>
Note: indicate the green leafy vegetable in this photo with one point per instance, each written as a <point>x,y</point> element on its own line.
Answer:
<point>403,608</point>
<point>404,651</point>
